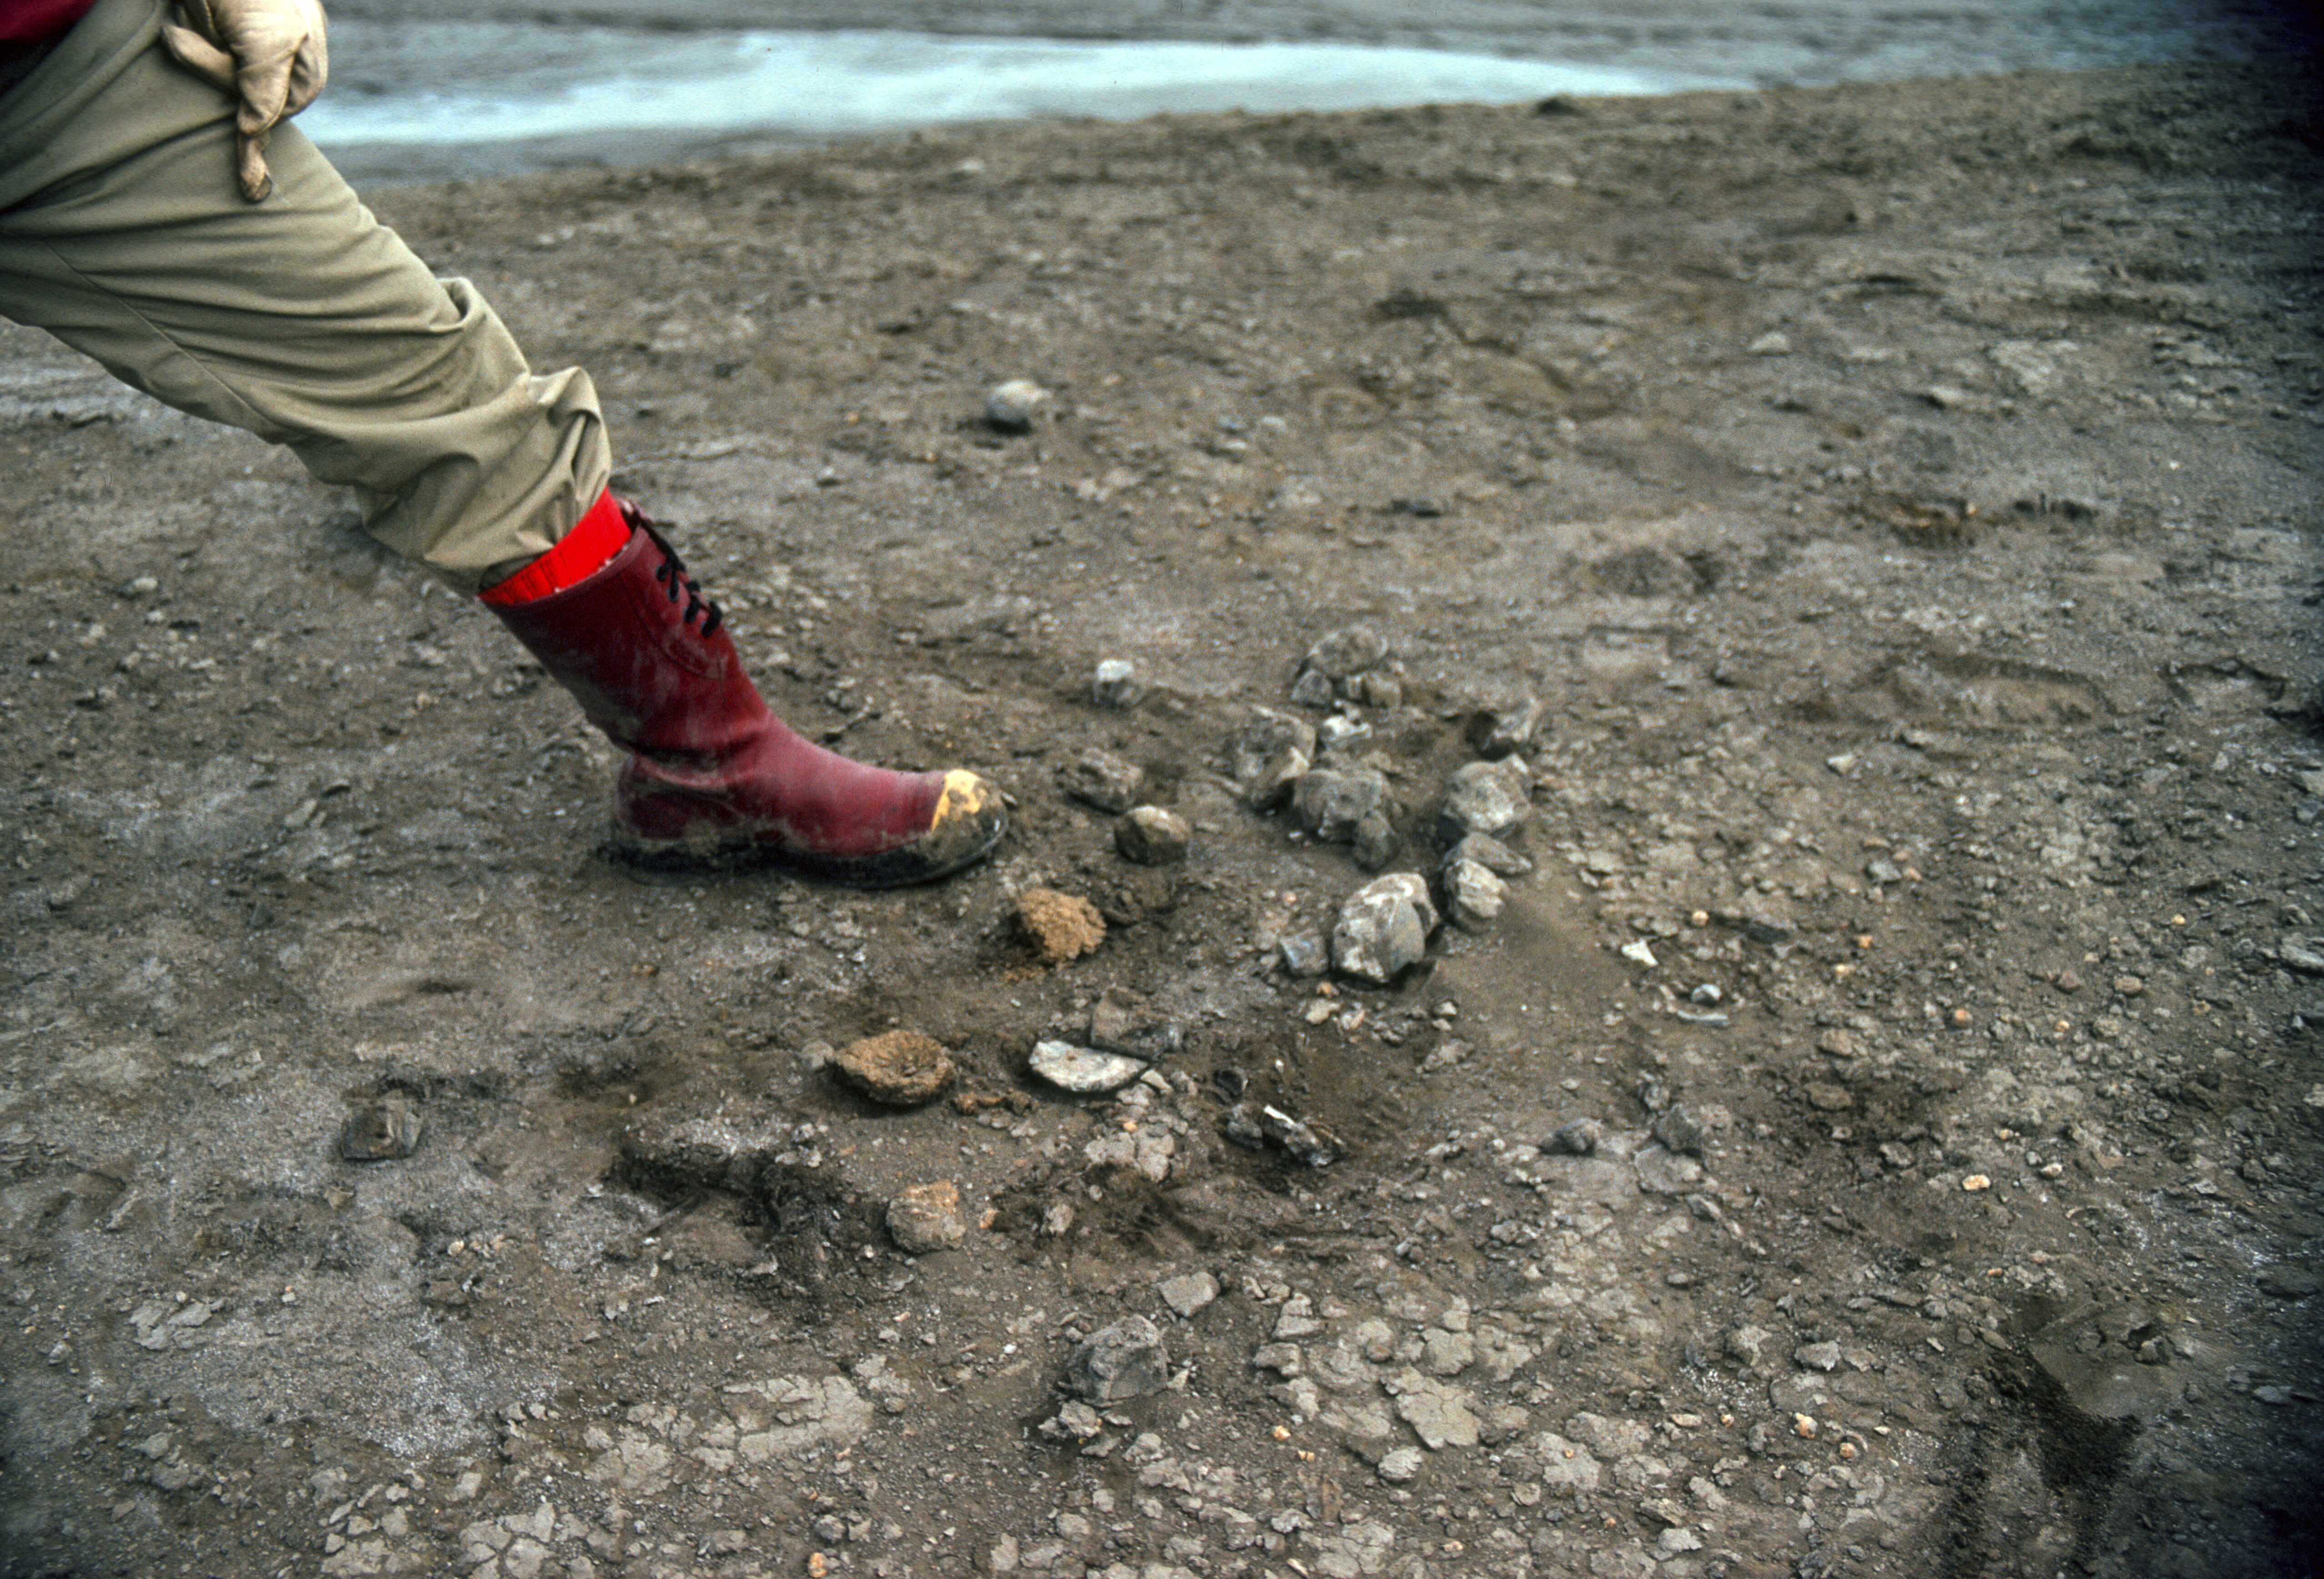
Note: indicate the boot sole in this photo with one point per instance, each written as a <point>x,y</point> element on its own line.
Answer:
<point>899,868</point>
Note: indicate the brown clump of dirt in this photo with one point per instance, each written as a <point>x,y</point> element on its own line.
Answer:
<point>1060,926</point>
<point>902,1068</point>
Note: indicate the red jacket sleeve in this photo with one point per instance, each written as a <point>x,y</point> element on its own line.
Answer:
<point>36,21</point>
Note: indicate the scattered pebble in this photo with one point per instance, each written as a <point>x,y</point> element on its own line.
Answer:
<point>1304,1140</point>
<point>1486,797</point>
<point>1152,836</point>
<point>1976,1181</point>
<point>1503,730</point>
<point>1401,1467</point>
<point>1189,1294</point>
<point>1491,854</point>
<point>1120,1021</point>
<point>925,1218</point>
<point>1332,804</point>
<point>1011,407</point>
<point>1060,926</point>
<point>1124,1360</point>
<point>1384,928</point>
<point>1103,780</point>
<point>1349,651</point>
<point>1115,684</point>
<point>902,1068</point>
<point>1083,1070</point>
<point>1473,895</point>
<point>1679,1130</point>
<point>1305,956</point>
<point>1580,1138</point>
<point>382,1128</point>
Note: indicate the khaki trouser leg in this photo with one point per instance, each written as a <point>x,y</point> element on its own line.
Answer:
<point>302,319</point>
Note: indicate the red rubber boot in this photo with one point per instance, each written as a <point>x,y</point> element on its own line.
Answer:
<point>713,776</point>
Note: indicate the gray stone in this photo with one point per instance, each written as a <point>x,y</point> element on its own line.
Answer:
<point>1124,1360</point>
<point>1115,684</point>
<point>1314,689</point>
<point>382,1128</point>
<point>1103,780</point>
<point>1302,1139</point>
<point>1085,1070</point>
<point>1473,895</point>
<point>1146,1152</point>
<point>1491,854</point>
<point>1503,730</point>
<point>1439,1413</point>
<point>1824,1356</point>
<point>1383,927</point>
<point>1152,836</point>
<point>1265,736</point>
<point>1485,797</point>
<point>1189,1294</point>
<point>2304,955</point>
<point>1567,1466</point>
<point>1401,1466</point>
<point>1305,956</point>
<point>1339,733</point>
<point>1273,783</point>
<point>1758,925</point>
<point>1661,1172</point>
<point>926,1218</point>
<point>1330,803</point>
<point>1577,1138</point>
<point>1121,1022</point>
<point>1678,1130</point>
<point>1349,651</point>
<point>1075,1420</point>
<point>1748,1344</point>
<point>1374,843</point>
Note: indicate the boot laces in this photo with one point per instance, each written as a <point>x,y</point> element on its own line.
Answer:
<point>671,574</point>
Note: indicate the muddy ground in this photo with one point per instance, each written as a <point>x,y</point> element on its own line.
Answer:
<point>1902,503</point>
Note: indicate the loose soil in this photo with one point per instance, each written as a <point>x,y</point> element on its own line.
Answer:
<point>1902,500</point>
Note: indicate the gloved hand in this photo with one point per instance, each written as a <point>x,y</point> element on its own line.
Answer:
<point>269,54</point>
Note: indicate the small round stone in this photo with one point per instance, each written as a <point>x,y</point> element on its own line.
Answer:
<point>1010,406</point>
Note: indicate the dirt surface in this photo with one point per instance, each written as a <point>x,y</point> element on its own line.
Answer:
<point>1900,502</point>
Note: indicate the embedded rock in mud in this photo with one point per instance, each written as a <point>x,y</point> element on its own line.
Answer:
<point>925,1218</point>
<point>382,1128</point>
<point>1124,1360</point>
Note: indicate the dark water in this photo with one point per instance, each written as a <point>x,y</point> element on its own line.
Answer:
<point>422,90</point>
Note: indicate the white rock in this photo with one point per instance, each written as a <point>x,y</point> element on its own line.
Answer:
<point>1084,1069</point>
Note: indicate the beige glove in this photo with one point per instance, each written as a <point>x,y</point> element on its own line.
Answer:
<point>269,54</point>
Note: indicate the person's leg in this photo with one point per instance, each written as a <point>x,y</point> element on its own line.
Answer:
<point>304,320</point>
<point>300,319</point>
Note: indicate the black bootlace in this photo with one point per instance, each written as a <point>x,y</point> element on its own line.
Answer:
<point>671,574</point>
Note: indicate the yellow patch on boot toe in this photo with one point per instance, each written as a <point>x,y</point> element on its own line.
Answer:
<point>964,796</point>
